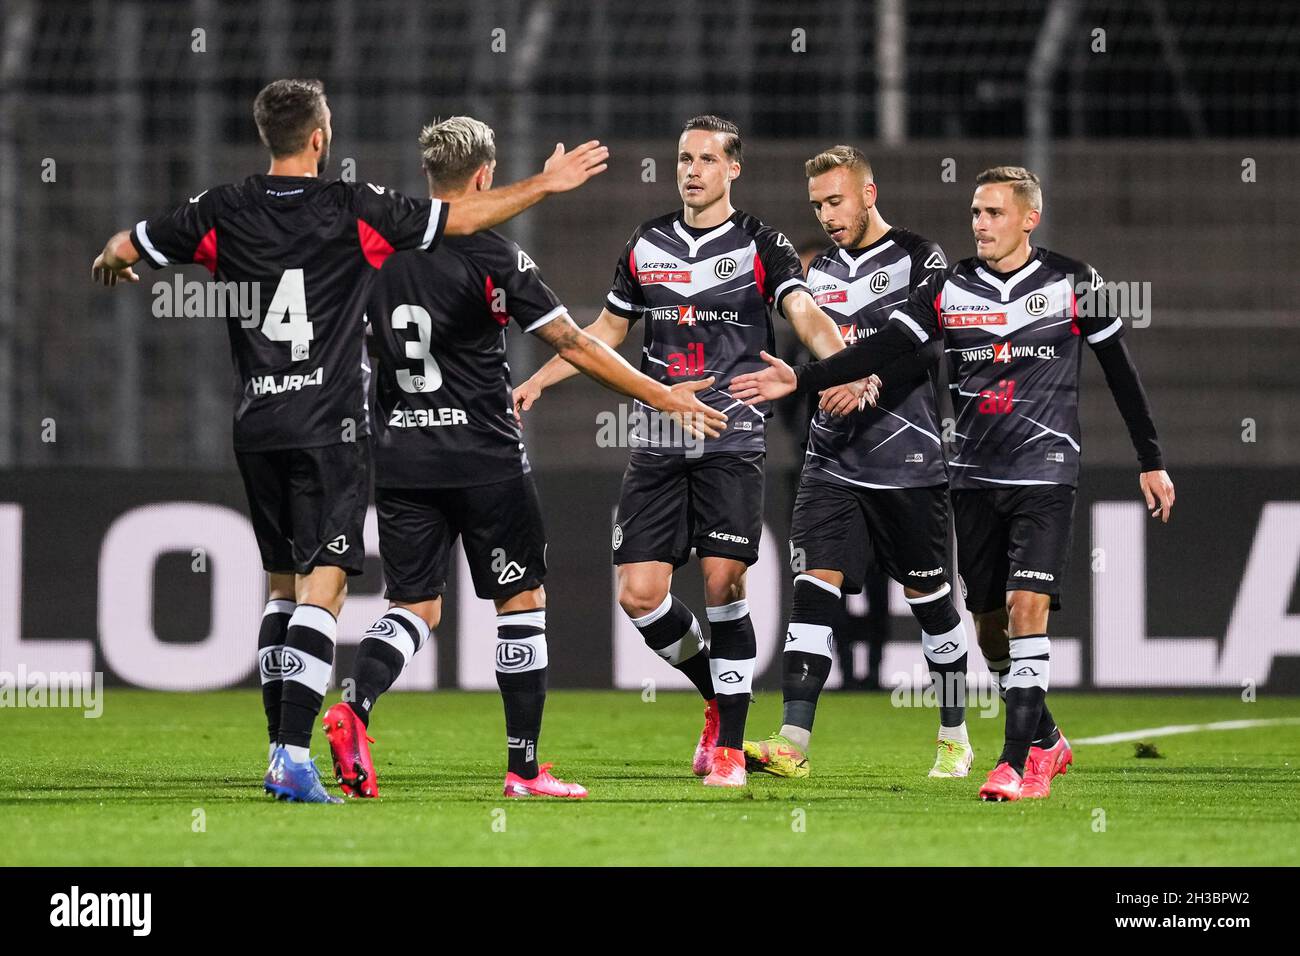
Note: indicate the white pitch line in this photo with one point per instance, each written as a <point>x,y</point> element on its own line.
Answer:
<point>1186,729</point>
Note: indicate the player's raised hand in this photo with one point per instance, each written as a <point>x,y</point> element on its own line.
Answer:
<point>1157,486</point>
<point>524,396</point>
<point>771,383</point>
<point>108,273</point>
<point>691,413</point>
<point>565,171</point>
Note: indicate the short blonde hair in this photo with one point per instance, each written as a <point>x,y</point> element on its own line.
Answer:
<point>837,157</point>
<point>1023,183</point>
<point>452,149</point>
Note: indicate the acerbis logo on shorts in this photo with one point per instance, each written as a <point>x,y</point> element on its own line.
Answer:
<point>514,656</point>
<point>281,663</point>
<point>933,572</point>
<point>338,545</point>
<point>382,628</point>
<point>510,573</point>
<point>728,536</point>
<point>1038,575</point>
<point>618,537</point>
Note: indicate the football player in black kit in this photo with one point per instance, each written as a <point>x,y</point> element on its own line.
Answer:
<point>309,247</point>
<point>874,480</point>
<point>705,280</point>
<point>450,460</point>
<point>1011,318</point>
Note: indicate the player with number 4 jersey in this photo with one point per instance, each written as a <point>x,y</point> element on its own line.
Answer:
<point>307,248</point>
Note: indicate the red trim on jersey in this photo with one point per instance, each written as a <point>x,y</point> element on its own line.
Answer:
<point>631,262</point>
<point>938,308</point>
<point>205,254</point>
<point>373,246</point>
<point>759,275</point>
<point>1074,313</point>
<point>489,291</point>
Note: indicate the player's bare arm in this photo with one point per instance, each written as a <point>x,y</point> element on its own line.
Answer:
<point>115,261</point>
<point>584,352</point>
<point>564,171</point>
<point>608,328</point>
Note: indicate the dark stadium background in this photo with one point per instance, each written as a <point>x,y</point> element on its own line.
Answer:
<point>1167,159</point>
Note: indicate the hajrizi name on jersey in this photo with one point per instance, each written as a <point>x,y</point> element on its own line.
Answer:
<point>278,384</point>
<point>1007,351</point>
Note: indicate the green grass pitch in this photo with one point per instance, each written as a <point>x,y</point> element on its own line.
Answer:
<point>174,779</point>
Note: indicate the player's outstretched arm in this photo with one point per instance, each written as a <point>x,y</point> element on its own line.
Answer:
<point>608,328</point>
<point>596,359</point>
<point>1131,399</point>
<point>563,171</point>
<point>115,262</point>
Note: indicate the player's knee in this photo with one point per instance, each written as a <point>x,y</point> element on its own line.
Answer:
<point>1027,612</point>
<point>991,633</point>
<point>430,612</point>
<point>534,599</point>
<point>638,596</point>
<point>724,586</point>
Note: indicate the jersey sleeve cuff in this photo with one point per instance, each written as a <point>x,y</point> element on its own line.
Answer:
<point>622,308</point>
<point>785,288</point>
<point>438,211</point>
<point>551,316</point>
<point>913,327</point>
<point>1107,335</point>
<point>143,245</point>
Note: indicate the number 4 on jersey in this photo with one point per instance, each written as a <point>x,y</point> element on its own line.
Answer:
<point>286,316</point>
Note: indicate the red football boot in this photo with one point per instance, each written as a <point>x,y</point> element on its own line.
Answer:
<point>703,763</point>
<point>1042,765</point>
<point>349,746</point>
<point>542,785</point>
<point>1003,784</point>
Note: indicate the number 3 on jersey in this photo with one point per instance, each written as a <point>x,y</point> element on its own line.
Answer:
<point>286,316</point>
<point>430,377</point>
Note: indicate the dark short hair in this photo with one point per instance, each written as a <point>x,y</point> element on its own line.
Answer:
<point>716,124</point>
<point>286,112</point>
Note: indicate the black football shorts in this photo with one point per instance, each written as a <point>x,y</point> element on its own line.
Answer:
<point>1015,538</point>
<point>499,524</point>
<point>308,505</point>
<point>673,503</point>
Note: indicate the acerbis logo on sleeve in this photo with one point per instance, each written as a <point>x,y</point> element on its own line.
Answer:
<point>1037,575</point>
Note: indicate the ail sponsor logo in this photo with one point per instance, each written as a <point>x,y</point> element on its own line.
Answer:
<point>277,384</point>
<point>690,362</point>
<point>970,316</point>
<point>426,417</point>
<point>998,401</point>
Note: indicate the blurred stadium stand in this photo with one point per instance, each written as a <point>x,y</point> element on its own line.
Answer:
<point>1141,147</point>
